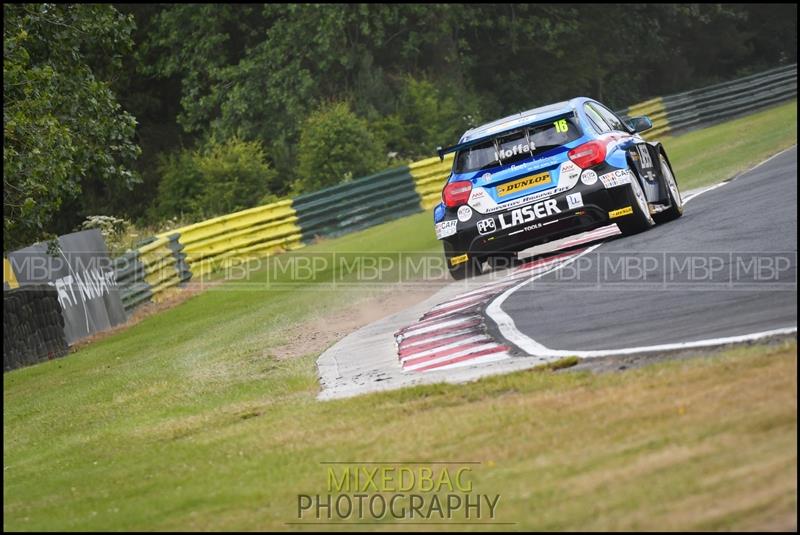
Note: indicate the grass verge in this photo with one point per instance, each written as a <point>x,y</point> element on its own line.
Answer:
<point>711,155</point>
<point>708,443</point>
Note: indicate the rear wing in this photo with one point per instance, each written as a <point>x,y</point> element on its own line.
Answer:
<point>477,141</point>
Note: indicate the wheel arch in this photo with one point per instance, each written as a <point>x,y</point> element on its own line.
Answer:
<point>660,148</point>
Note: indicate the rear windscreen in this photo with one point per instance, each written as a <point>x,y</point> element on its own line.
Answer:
<point>517,145</point>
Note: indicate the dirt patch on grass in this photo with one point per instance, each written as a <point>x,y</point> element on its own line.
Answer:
<point>319,333</point>
<point>309,337</point>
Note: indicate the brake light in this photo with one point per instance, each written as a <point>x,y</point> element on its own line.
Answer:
<point>588,154</point>
<point>457,193</point>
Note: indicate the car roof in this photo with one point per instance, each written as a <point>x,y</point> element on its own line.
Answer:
<point>507,123</point>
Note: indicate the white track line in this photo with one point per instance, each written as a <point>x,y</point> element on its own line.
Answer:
<point>704,190</point>
<point>510,332</point>
<point>532,347</point>
<point>479,296</point>
<point>506,324</point>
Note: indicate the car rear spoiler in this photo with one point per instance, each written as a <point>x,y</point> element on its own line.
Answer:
<point>471,143</point>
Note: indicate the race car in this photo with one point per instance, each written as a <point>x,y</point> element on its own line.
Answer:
<point>548,173</point>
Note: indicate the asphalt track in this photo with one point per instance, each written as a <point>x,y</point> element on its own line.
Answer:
<point>727,268</point>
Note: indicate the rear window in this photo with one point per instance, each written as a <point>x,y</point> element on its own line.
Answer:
<point>517,145</point>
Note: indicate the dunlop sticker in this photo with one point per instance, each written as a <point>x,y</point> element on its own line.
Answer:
<point>456,260</point>
<point>621,212</point>
<point>523,184</point>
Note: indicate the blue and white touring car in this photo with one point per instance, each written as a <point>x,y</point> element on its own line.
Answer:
<point>548,173</point>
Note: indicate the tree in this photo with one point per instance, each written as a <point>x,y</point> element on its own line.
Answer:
<point>61,122</point>
<point>258,71</point>
<point>180,186</point>
<point>428,115</point>
<point>216,179</point>
<point>336,145</point>
<point>235,175</point>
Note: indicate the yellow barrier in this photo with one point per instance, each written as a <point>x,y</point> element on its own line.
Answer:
<point>429,178</point>
<point>657,113</point>
<point>160,267</point>
<point>236,237</point>
<point>8,275</point>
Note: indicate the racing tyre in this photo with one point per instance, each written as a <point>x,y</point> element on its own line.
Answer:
<point>463,270</point>
<point>675,209</point>
<point>640,220</point>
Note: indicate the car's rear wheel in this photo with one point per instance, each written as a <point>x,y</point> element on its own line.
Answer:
<point>640,220</point>
<point>461,264</point>
<point>675,209</point>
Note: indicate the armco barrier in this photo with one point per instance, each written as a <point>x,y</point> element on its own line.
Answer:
<point>33,327</point>
<point>393,193</point>
<point>254,232</point>
<point>129,272</point>
<point>159,263</point>
<point>707,105</point>
<point>429,176</point>
<point>358,204</point>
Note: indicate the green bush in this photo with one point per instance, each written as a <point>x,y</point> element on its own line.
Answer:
<point>235,176</point>
<point>180,186</point>
<point>336,146</point>
<point>217,179</point>
<point>428,115</point>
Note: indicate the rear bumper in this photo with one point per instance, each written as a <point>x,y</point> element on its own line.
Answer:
<point>516,232</point>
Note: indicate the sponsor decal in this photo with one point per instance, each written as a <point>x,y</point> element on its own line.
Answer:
<point>445,229</point>
<point>527,214</point>
<point>616,178</point>
<point>523,184</point>
<point>646,162</point>
<point>574,201</point>
<point>644,156</point>
<point>487,177</point>
<point>519,148</point>
<point>480,201</point>
<point>456,260</point>
<point>568,174</point>
<point>589,177</point>
<point>488,206</point>
<point>533,227</point>
<point>546,161</point>
<point>487,226</point>
<point>628,210</point>
<point>464,213</point>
